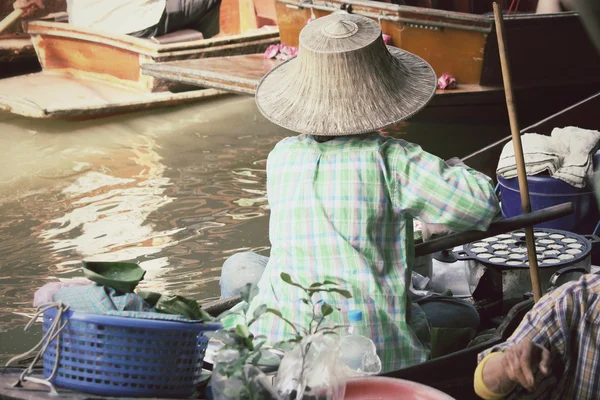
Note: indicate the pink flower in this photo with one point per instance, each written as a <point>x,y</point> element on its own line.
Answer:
<point>446,81</point>
<point>271,51</point>
<point>387,39</point>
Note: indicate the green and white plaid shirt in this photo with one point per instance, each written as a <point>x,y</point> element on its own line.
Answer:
<point>343,210</point>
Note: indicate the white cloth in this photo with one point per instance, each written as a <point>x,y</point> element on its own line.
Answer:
<point>566,155</point>
<point>577,165</point>
<point>115,16</point>
<point>539,152</point>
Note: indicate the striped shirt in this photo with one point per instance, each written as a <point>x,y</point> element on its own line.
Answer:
<point>343,210</point>
<point>567,322</point>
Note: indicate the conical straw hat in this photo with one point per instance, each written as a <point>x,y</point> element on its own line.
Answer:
<point>345,81</point>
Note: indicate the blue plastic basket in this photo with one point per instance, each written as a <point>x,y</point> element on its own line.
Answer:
<point>120,356</point>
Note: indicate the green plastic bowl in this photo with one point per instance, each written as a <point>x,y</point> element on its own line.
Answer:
<point>121,276</point>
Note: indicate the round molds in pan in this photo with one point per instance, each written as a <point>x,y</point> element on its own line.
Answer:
<point>497,259</point>
<point>501,252</point>
<point>479,249</point>
<point>565,257</point>
<point>551,253</point>
<point>485,255</point>
<point>480,244</point>
<point>569,240</point>
<point>551,261</point>
<point>517,256</point>
<point>573,251</point>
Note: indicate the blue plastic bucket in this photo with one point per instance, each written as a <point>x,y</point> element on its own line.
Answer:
<point>120,356</point>
<point>545,191</point>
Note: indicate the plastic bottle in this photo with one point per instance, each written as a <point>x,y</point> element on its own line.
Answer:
<point>356,352</point>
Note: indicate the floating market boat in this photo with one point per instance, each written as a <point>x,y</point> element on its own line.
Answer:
<point>553,61</point>
<point>90,73</point>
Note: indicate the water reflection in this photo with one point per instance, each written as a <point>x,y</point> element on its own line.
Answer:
<point>170,190</point>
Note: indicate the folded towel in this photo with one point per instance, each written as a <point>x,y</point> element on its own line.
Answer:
<point>566,155</point>
<point>539,153</point>
<point>580,144</point>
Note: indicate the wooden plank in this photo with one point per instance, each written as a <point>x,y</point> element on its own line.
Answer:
<point>245,71</point>
<point>238,74</point>
<point>36,96</point>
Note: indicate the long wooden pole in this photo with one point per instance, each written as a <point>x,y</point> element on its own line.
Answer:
<point>518,147</point>
<point>10,19</point>
<point>497,228</point>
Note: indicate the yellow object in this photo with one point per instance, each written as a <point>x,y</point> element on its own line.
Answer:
<point>480,388</point>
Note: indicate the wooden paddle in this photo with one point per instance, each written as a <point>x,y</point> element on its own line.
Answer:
<point>518,148</point>
<point>10,19</point>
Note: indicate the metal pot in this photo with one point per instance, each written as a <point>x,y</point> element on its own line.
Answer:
<point>498,266</point>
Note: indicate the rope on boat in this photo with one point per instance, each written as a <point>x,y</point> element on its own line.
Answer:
<point>52,333</point>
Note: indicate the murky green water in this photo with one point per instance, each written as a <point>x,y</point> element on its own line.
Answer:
<point>177,190</point>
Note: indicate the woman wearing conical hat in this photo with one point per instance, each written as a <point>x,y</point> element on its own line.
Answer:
<point>343,197</point>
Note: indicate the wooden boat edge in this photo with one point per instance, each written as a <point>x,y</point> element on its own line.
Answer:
<point>19,105</point>
<point>139,45</point>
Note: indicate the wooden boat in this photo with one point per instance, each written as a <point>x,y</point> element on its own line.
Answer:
<point>17,55</point>
<point>463,44</point>
<point>98,73</point>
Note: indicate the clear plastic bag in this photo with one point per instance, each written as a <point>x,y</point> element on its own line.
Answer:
<point>244,381</point>
<point>311,370</point>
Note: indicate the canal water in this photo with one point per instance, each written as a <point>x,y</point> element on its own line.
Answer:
<point>177,190</point>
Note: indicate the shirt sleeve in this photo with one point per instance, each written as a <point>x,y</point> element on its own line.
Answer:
<point>428,189</point>
<point>546,324</point>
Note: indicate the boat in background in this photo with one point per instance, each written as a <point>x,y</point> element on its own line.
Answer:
<point>17,55</point>
<point>89,73</point>
<point>553,62</point>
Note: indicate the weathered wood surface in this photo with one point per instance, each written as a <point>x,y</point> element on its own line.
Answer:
<point>237,74</point>
<point>36,391</point>
<point>36,96</point>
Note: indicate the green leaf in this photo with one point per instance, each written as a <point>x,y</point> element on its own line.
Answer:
<point>316,284</point>
<point>288,279</point>
<point>260,311</point>
<point>343,292</point>
<point>326,309</point>
<point>305,301</point>
<point>248,292</point>
<point>330,283</point>
<point>242,330</point>
<point>256,358</point>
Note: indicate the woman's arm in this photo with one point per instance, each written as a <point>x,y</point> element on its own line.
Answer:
<point>435,192</point>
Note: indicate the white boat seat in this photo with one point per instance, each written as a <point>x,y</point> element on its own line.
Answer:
<point>184,35</point>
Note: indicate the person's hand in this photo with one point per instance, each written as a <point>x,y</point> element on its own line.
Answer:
<point>522,362</point>
<point>430,230</point>
<point>454,161</point>
<point>28,6</point>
